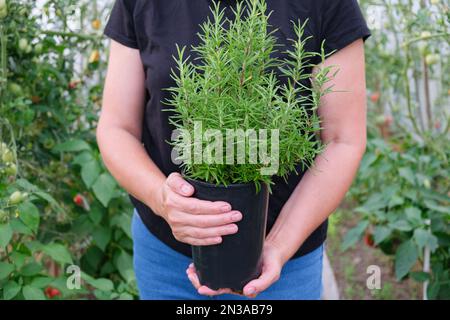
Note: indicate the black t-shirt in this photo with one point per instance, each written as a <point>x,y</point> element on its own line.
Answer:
<point>154,27</point>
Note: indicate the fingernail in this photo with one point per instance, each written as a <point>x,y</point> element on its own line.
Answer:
<point>251,291</point>
<point>186,189</point>
<point>233,228</point>
<point>236,216</point>
<point>226,208</point>
<point>219,240</point>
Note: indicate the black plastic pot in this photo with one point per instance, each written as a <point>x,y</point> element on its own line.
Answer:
<point>237,260</point>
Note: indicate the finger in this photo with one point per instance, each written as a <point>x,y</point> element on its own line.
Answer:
<point>208,221</point>
<point>204,290</point>
<point>176,182</point>
<point>196,206</point>
<point>205,233</point>
<point>193,277</point>
<point>267,278</point>
<point>202,242</point>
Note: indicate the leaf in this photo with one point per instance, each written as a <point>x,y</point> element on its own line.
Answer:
<point>96,214</point>
<point>414,215</point>
<point>125,296</point>
<point>354,235</point>
<point>424,238</point>
<point>434,206</point>
<point>421,237</point>
<point>380,233</point>
<point>72,146</point>
<point>6,234</point>
<point>407,174</point>
<point>10,290</point>
<point>405,258</point>
<point>100,284</point>
<point>41,282</point>
<point>83,158</point>
<point>5,270</point>
<point>31,269</point>
<point>47,197</point>
<point>58,252</point>
<point>104,188</point>
<point>26,185</point>
<point>123,221</point>
<point>29,214</point>
<point>18,226</point>
<point>420,276</point>
<point>401,225</point>
<point>32,293</point>
<point>102,236</point>
<point>396,201</point>
<point>90,172</point>
<point>124,264</point>
<point>433,290</point>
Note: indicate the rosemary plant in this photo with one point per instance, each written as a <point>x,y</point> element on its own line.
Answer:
<point>234,86</point>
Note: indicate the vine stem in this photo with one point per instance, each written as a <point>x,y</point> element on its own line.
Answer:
<point>421,38</point>
<point>408,92</point>
<point>3,57</point>
<point>426,86</point>
<point>71,35</point>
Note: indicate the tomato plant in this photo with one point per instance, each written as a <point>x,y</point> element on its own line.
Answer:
<point>402,187</point>
<point>58,205</point>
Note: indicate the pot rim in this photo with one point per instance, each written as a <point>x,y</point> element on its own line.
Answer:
<point>222,186</point>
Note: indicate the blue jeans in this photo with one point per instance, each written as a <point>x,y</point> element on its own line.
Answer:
<point>161,273</point>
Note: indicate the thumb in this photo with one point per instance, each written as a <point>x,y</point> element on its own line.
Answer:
<point>180,186</point>
<point>265,280</point>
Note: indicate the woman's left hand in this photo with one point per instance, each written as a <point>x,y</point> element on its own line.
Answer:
<point>272,263</point>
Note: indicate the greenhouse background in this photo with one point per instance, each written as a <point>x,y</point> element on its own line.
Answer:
<point>62,214</point>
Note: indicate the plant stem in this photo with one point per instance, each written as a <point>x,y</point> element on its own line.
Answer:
<point>411,115</point>
<point>426,86</point>
<point>3,57</point>
<point>71,35</point>
<point>436,35</point>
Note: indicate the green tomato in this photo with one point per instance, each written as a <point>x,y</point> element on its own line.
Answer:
<point>432,58</point>
<point>7,156</point>
<point>425,34</point>
<point>16,197</point>
<point>3,9</point>
<point>3,13</point>
<point>15,89</point>
<point>423,47</point>
<point>38,48</point>
<point>4,216</point>
<point>11,170</point>
<point>23,45</point>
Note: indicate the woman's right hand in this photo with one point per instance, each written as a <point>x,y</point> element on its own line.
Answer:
<point>193,221</point>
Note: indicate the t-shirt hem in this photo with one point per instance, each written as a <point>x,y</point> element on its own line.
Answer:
<point>122,39</point>
<point>360,33</point>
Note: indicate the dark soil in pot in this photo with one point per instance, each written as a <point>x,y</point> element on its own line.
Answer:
<point>237,260</point>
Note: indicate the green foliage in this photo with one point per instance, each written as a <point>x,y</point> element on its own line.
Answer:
<point>235,87</point>
<point>401,190</point>
<point>58,204</point>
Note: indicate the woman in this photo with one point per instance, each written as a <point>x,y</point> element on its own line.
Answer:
<point>133,133</point>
